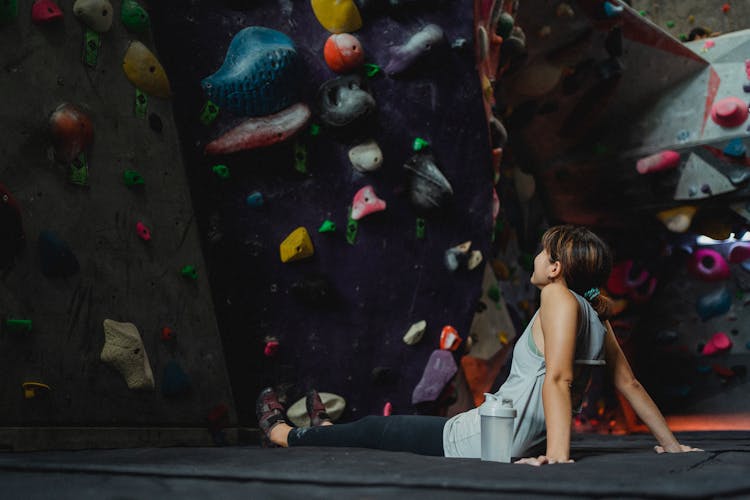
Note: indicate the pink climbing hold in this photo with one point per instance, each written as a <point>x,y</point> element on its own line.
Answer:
<point>719,342</point>
<point>366,202</point>
<point>634,281</point>
<point>617,283</point>
<point>262,131</point>
<point>708,265</point>
<point>663,160</point>
<point>44,11</point>
<point>387,409</point>
<point>271,347</point>
<point>643,292</point>
<point>739,252</point>
<point>143,232</point>
<point>729,112</point>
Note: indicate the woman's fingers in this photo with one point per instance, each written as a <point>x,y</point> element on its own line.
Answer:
<point>541,460</point>
<point>683,448</point>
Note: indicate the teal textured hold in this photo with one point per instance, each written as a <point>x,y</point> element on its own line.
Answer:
<point>735,148</point>
<point>255,200</point>
<point>714,304</point>
<point>175,381</point>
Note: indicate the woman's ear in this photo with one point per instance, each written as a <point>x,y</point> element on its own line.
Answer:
<point>554,270</point>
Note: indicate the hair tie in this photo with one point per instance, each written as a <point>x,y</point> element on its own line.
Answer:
<point>591,294</point>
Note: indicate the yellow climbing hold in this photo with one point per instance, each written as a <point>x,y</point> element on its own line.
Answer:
<point>677,219</point>
<point>30,388</point>
<point>296,246</point>
<point>337,16</point>
<point>144,70</point>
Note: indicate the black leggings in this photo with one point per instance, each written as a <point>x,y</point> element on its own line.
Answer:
<point>422,434</point>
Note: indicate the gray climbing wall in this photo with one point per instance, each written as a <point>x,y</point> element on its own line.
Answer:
<point>121,277</point>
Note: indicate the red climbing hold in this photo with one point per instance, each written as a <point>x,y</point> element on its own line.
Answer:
<point>729,112</point>
<point>167,334</point>
<point>449,339</point>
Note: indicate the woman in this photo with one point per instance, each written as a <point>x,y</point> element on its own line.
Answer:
<point>549,374</point>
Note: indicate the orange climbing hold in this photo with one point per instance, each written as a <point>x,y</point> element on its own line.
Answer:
<point>343,52</point>
<point>449,339</point>
<point>725,8</point>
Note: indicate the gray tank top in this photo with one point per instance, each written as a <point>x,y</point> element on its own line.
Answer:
<point>461,434</point>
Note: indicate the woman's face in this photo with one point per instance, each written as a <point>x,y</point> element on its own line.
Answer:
<point>542,269</point>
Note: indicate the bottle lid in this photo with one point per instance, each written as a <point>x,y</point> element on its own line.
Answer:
<point>494,406</point>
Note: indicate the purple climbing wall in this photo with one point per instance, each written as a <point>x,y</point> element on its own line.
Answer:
<point>388,279</point>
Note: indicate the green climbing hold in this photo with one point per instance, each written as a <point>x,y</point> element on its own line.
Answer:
<point>420,228</point>
<point>8,11</point>
<point>18,325</point>
<point>327,227</point>
<point>132,178</point>
<point>300,157</point>
<point>141,103</point>
<point>314,129</point>
<point>351,229</point>
<point>134,17</point>
<point>505,25</point>
<point>189,271</point>
<point>419,144</point>
<point>221,170</point>
<point>643,13</point>
<point>371,70</point>
<point>209,112</point>
<point>683,37</point>
<point>494,293</point>
<point>91,45</point>
<point>670,24</point>
<point>79,171</point>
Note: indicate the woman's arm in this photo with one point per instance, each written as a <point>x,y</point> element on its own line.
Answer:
<point>642,404</point>
<point>558,316</point>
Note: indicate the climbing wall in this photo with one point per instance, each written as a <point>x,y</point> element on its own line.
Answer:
<point>80,181</point>
<point>334,318</point>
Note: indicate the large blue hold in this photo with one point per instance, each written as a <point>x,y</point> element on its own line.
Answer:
<point>259,75</point>
<point>57,259</point>
<point>714,304</point>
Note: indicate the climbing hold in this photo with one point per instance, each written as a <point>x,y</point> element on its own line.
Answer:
<point>617,281</point>
<point>221,171</point>
<point>175,382</point>
<point>415,332</point>
<point>271,347</point>
<point>300,157</point>
<point>493,293</point>
<point>366,157</point>
<point>337,16</point>
<point>612,10</point>
<point>714,303</point>
<point>261,131</point>
<point>134,17</point>
<point>663,160</point>
<point>564,10</point>
<point>366,202</point>
<point>634,276</point>
<point>504,25</point>
<point>92,42</point>
<point>719,342</point>
<point>419,144</point>
<point>132,178</point>
<point>44,11</point>
<point>351,229</point>
<point>259,75</point>
<point>729,112</point>
<point>440,369</point>
<point>96,14</point>
<point>8,11</point>
<point>124,351</point>
<point>456,255</point>
<point>327,226</point>
<point>209,112</point>
<point>449,339</point>
<point>145,71</point>
<point>141,103</point>
<point>429,187</point>
<point>56,257</point>
<point>189,271</point>
<point>420,228</point>
<point>421,43</point>
<point>739,252</point>
<point>700,180</point>
<point>143,232</point>
<point>254,199</point>
<point>735,148</point>
<point>167,334</point>
<point>296,246</point>
<point>483,42</point>
<point>475,258</point>
<point>670,24</point>
<point>30,389</point>
<point>72,132</point>
<point>18,325</point>
<point>79,171</point>
<point>726,8</point>
<point>525,185</point>
<point>343,52</point>
<point>643,292</point>
<point>387,409</point>
<point>708,265</point>
<point>345,102</point>
<point>155,123</point>
<point>677,219</point>
<point>371,69</point>
<point>334,404</point>
<point>11,228</point>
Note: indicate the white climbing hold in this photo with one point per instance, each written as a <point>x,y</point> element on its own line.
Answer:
<point>334,404</point>
<point>123,350</point>
<point>415,332</point>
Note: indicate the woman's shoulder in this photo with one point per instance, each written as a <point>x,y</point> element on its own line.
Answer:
<point>554,295</point>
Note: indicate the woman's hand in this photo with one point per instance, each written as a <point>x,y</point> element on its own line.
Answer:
<point>541,460</point>
<point>680,449</point>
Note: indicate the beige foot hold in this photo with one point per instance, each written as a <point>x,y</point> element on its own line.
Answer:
<point>335,404</point>
<point>677,219</point>
<point>123,350</point>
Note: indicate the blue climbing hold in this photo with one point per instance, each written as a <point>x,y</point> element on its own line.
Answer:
<point>175,381</point>
<point>259,75</point>
<point>255,199</point>
<point>735,148</point>
<point>612,10</point>
<point>56,257</point>
<point>714,304</point>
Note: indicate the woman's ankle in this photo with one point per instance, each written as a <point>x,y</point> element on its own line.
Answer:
<point>279,434</point>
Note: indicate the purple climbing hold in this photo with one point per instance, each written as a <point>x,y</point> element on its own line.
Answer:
<point>421,43</point>
<point>440,369</point>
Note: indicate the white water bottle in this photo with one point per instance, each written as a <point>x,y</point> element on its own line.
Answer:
<point>496,421</point>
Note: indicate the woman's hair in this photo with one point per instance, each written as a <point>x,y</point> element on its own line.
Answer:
<point>586,262</point>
